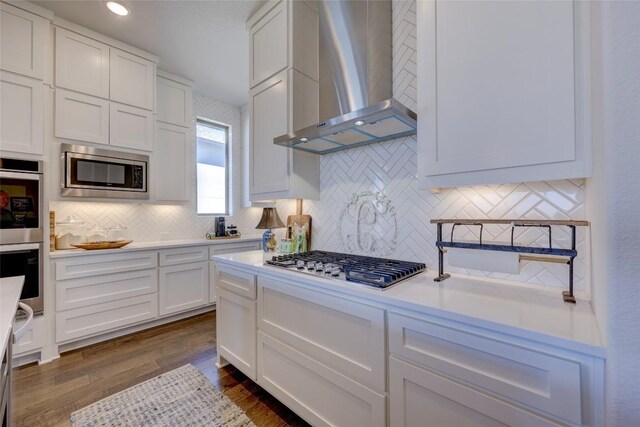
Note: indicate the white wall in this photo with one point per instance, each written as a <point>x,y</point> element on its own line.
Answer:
<point>615,193</point>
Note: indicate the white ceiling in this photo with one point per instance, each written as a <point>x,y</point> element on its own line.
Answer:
<point>204,41</point>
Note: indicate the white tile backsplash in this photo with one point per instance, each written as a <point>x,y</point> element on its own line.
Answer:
<point>388,168</point>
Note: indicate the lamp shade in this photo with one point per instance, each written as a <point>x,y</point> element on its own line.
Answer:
<point>270,219</point>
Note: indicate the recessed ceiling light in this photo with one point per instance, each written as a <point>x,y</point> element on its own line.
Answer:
<point>359,123</point>
<point>117,8</point>
<point>303,139</point>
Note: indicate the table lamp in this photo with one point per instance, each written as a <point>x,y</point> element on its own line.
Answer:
<point>269,221</point>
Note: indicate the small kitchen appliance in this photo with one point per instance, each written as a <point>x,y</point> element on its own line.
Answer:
<point>219,226</point>
<point>379,273</point>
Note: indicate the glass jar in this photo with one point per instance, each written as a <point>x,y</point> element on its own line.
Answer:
<point>117,233</point>
<point>70,231</point>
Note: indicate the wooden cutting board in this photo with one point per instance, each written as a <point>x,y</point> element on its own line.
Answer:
<point>300,220</point>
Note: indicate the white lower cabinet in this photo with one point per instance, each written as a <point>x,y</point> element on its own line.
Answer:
<point>236,331</point>
<point>336,359</point>
<point>319,394</point>
<point>420,397</point>
<point>183,287</point>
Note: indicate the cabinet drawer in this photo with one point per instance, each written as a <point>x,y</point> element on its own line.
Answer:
<point>344,335</point>
<point>318,394</point>
<point>83,266</point>
<point>417,395</point>
<point>81,117</point>
<point>230,248</point>
<point>92,290</point>
<point>87,321</point>
<point>236,331</point>
<point>183,255</point>
<point>523,375</point>
<point>237,281</point>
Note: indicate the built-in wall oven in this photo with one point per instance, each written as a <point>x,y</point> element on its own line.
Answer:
<point>97,173</point>
<point>21,226</point>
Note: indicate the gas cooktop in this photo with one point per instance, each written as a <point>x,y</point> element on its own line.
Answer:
<point>376,272</point>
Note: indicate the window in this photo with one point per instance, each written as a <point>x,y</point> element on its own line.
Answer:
<point>212,157</point>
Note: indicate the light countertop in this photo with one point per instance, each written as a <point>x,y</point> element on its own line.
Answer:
<point>161,244</point>
<point>532,312</point>
<point>10,290</point>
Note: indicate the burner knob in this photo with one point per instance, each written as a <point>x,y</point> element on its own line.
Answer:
<point>327,268</point>
<point>300,264</point>
<point>319,267</point>
<point>311,265</point>
<point>335,271</point>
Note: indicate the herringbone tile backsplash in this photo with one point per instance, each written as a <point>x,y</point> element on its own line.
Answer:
<point>388,168</point>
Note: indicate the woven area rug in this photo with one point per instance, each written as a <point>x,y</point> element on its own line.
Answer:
<point>182,397</point>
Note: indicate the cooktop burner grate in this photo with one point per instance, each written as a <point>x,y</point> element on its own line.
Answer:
<point>376,272</point>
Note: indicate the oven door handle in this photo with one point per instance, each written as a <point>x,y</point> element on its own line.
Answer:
<point>23,329</point>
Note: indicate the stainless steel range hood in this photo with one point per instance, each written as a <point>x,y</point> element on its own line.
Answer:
<point>356,104</point>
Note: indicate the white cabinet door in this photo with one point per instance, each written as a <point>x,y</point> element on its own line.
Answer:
<point>236,331</point>
<point>21,114</point>
<point>22,41</point>
<point>497,100</point>
<point>130,127</point>
<point>174,103</point>
<point>131,79</point>
<point>268,44</point>
<point>183,287</point>
<point>269,163</point>
<point>417,395</point>
<point>82,64</point>
<point>81,117</point>
<point>172,156</point>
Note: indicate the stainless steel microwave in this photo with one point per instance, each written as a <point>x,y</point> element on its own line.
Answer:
<point>98,173</point>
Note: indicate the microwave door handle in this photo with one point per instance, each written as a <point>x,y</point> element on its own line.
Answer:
<point>19,247</point>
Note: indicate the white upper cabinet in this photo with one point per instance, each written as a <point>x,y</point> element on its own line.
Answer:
<point>21,114</point>
<point>82,64</point>
<point>131,79</point>
<point>268,44</point>
<point>81,117</point>
<point>23,37</point>
<point>284,97</point>
<point>130,127</point>
<point>174,101</point>
<point>268,109</point>
<point>503,92</point>
<point>171,162</point>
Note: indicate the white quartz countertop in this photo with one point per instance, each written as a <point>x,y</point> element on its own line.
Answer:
<point>535,313</point>
<point>10,290</point>
<point>161,244</point>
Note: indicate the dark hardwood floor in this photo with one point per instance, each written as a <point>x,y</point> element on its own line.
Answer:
<point>46,395</point>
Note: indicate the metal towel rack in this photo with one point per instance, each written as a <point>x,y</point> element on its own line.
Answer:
<point>569,254</point>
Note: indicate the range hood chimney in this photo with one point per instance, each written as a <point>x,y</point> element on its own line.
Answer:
<point>356,104</point>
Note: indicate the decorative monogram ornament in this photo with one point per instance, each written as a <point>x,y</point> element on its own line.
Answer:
<point>368,224</point>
